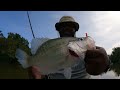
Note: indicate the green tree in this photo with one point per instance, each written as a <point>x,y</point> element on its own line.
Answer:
<point>1,34</point>
<point>15,41</point>
<point>2,43</point>
<point>9,45</point>
<point>115,59</point>
<point>9,66</point>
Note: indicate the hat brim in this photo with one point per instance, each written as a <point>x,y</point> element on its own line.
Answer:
<point>60,24</point>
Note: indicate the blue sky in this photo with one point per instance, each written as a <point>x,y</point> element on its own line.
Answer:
<point>103,26</point>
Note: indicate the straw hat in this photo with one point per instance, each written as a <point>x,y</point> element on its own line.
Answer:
<point>67,20</point>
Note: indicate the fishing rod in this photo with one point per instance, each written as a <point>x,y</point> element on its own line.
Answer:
<point>30,25</point>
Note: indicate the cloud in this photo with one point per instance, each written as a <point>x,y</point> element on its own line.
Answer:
<point>107,27</point>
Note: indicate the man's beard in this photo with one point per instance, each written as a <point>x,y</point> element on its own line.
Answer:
<point>67,34</point>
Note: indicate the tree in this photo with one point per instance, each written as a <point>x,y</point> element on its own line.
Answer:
<point>9,45</point>
<point>15,41</point>
<point>115,59</point>
<point>9,66</point>
<point>2,43</point>
<point>1,34</point>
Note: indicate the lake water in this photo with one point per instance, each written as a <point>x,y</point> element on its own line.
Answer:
<point>108,75</point>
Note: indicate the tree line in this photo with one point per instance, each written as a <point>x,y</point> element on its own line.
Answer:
<point>9,44</point>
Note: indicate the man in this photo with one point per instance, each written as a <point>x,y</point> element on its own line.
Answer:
<point>95,62</point>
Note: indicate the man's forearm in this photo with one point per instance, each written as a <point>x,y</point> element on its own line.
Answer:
<point>34,73</point>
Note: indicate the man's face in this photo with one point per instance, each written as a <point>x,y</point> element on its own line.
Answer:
<point>67,31</point>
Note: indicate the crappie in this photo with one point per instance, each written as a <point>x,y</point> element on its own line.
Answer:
<point>56,54</point>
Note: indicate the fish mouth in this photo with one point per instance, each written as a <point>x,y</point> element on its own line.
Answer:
<point>73,53</point>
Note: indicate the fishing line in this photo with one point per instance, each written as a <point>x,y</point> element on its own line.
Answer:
<point>30,24</point>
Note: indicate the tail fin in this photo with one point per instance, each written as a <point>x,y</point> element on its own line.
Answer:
<point>22,57</point>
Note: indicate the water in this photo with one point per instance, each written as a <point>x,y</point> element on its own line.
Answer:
<point>109,75</point>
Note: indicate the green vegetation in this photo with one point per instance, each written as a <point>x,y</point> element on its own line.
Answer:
<point>9,67</point>
<point>115,59</point>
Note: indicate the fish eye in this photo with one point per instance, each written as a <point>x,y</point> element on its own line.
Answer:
<point>81,39</point>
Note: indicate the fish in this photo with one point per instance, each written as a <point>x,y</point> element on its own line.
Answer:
<point>56,54</point>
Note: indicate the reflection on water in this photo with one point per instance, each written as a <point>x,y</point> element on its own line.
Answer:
<point>108,75</point>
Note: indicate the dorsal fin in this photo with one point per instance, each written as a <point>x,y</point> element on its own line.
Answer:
<point>36,43</point>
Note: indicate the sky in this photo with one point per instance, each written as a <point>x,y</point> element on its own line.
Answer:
<point>102,26</point>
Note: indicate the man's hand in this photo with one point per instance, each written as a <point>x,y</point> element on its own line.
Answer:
<point>96,61</point>
<point>34,73</point>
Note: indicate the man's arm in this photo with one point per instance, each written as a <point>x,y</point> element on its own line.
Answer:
<point>35,74</point>
<point>97,61</point>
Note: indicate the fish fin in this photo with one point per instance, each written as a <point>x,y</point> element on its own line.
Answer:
<point>67,73</point>
<point>22,57</point>
<point>36,43</point>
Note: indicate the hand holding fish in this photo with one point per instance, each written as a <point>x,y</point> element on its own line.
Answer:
<point>96,61</point>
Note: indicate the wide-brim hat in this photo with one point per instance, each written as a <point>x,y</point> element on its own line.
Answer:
<point>67,20</point>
